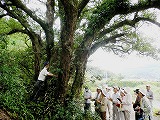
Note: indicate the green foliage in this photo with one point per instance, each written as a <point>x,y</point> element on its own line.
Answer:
<point>16,60</point>
<point>14,94</point>
<point>6,25</point>
<point>73,111</point>
<point>3,42</point>
<point>101,15</point>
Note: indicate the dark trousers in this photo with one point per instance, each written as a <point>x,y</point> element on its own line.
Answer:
<point>87,106</point>
<point>38,88</point>
<point>138,116</point>
<point>103,115</point>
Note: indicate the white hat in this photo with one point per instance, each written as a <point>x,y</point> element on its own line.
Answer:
<point>105,86</point>
<point>122,90</point>
<point>104,92</point>
<point>148,85</point>
<point>99,87</point>
<point>115,87</point>
<point>127,89</point>
<point>142,91</point>
<point>109,88</point>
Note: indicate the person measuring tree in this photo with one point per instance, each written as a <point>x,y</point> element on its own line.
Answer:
<point>39,85</point>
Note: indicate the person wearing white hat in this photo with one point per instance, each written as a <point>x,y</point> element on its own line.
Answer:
<point>127,103</point>
<point>149,94</point>
<point>121,108</point>
<point>115,101</point>
<point>97,97</point>
<point>109,103</point>
<point>145,106</point>
<point>103,104</point>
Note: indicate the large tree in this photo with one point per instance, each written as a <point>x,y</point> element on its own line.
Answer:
<point>85,26</point>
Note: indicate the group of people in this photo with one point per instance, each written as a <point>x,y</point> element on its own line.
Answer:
<point>118,104</point>
<point>115,106</point>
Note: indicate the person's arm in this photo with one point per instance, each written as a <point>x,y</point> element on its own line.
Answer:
<point>50,74</point>
<point>150,95</point>
<point>146,106</point>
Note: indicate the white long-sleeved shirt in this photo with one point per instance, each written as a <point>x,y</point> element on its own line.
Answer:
<point>87,96</point>
<point>127,102</point>
<point>108,95</point>
<point>145,106</point>
<point>114,97</point>
<point>149,95</point>
<point>43,74</point>
<point>103,104</point>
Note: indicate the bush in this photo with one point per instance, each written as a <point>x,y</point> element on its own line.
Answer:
<point>74,111</point>
<point>13,95</point>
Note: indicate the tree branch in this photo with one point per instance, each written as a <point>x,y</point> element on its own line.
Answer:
<point>151,20</point>
<point>17,16</point>
<point>20,5</point>
<point>1,16</point>
<point>99,44</point>
<point>17,30</point>
<point>101,16</point>
<point>126,22</point>
<point>68,5</point>
<point>50,11</point>
<point>82,6</point>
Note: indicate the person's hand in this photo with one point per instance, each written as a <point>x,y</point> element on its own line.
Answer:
<point>98,101</point>
<point>55,75</point>
<point>137,108</point>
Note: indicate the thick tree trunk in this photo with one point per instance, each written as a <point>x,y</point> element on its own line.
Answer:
<point>79,80</point>
<point>80,67</point>
<point>68,27</point>
<point>50,42</point>
<point>36,44</point>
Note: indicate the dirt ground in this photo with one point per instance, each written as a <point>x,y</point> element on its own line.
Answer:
<point>4,115</point>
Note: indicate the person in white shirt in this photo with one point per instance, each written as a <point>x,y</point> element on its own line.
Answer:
<point>120,106</point>
<point>109,102</point>
<point>87,99</point>
<point>115,102</point>
<point>127,103</point>
<point>40,82</point>
<point>103,104</point>
<point>97,97</point>
<point>149,94</point>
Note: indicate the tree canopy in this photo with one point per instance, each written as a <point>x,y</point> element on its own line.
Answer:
<point>68,32</point>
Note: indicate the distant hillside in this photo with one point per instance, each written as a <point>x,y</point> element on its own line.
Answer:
<point>151,72</point>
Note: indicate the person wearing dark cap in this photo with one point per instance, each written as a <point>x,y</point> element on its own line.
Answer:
<point>138,113</point>
<point>40,82</point>
<point>87,99</point>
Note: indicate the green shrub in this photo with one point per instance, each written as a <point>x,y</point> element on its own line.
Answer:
<point>13,95</point>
